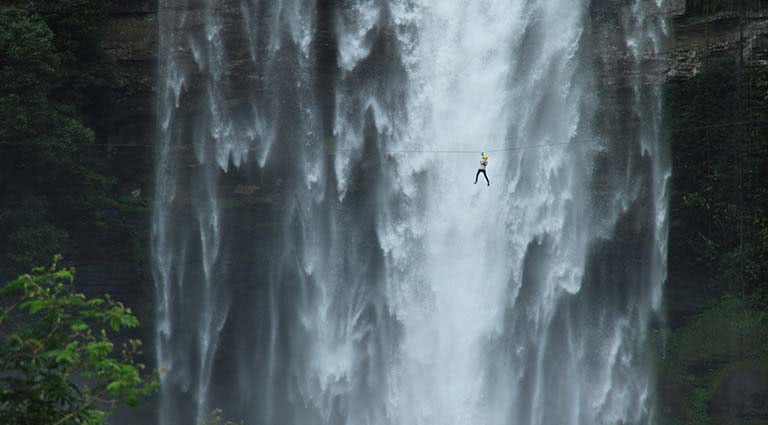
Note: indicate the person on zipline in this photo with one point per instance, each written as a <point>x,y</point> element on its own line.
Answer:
<point>483,164</point>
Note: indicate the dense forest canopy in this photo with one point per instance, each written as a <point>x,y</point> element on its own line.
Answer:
<point>55,92</point>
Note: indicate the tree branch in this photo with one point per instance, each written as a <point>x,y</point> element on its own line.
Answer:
<point>87,405</point>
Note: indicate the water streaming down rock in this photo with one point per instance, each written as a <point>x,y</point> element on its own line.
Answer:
<point>383,287</point>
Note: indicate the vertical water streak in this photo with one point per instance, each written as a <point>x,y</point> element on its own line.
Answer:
<point>204,129</point>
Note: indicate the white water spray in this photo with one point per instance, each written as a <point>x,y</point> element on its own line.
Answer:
<point>387,288</point>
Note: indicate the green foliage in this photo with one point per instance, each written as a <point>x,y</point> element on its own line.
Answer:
<point>35,244</point>
<point>31,238</point>
<point>58,358</point>
<point>728,331</point>
<point>86,75</point>
<point>728,335</point>
<point>30,68</point>
<point>720,198</point>
<point>54,88</point>
<point>27,44</point>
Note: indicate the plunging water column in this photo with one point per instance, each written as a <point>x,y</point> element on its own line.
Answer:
<point>321,254</point>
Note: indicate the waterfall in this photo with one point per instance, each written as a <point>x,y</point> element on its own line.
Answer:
<point>321,254</point>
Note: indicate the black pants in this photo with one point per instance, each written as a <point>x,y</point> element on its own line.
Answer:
<point>484,175</point>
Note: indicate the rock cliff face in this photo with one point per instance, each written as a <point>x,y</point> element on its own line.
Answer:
<point>131,38</point>
<point>130,41</point>
<point>119,265</point>
<point>702,43</point>
<point>697,37</point>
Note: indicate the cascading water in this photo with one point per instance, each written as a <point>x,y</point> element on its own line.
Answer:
<point>321,255</point>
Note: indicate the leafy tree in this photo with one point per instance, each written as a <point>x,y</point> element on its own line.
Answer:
<point>86,75</point>
<point>59,364</point>
<point>50,72</point>
<point>30,65</point>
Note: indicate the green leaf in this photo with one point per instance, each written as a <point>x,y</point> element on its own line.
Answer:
<point>114,323</point>
<point>34,306</point>
<point>79,326</point>
<point>68,355</point>
<point>114,387</point>
<point>100,348</point>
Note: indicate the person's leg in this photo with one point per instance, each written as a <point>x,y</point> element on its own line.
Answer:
<point>477,175</point>
<point>486,178</point>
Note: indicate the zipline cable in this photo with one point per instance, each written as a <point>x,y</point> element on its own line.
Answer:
<point>763,124</point>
